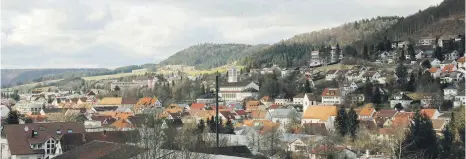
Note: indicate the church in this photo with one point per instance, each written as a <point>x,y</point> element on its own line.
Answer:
<point>237,91</point>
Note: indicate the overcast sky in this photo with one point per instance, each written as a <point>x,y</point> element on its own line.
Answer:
<point>112,33</point>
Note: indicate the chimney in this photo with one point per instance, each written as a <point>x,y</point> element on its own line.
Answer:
<point>105,132</point>
<point>33,133</point>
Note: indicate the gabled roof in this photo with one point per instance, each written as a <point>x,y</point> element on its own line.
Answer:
<point>129,101</point>
<point>235,84</point>
<point>448,68</point>
<point>70,141</point>
<point>19,136</point>
<point>367,111</point>
<point>110,101</point>
<point>282,113</point>
<point>320,112</point>
<point>429,112</point>
<point>402,119</point>
<point>102,150</point>
<point>240,112</point>
<point>266,99</point>
<point>146,101</point>
<point>433,69</point>
<point>299,95</point>
<point>331,92</point>
<point>197,106</point>
<point>258,114</point>
<point>386,113</point>
<point>331,72</point>
<point>438,124</point>
<point>461,60</point>
<point>369,73</point>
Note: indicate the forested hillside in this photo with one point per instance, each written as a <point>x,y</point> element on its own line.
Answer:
<point>346,33</point>
<point>445,19</point>
<point>205,56</point>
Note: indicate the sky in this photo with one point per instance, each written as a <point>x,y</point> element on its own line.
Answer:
<point>114,33</point>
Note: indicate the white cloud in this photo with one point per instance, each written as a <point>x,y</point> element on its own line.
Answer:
<point>135,32</point>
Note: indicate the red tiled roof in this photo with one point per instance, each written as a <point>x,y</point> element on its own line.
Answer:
<point>198,106</point>
<point>448,68</point>
<point>240,112</point>
<point>331,92</point>
<point>429,112</point>
<point>433,69</point>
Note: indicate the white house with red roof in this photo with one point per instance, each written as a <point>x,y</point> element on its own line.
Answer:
<point>331,96</point>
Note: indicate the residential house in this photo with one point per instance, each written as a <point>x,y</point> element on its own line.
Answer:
<point>460,62</point>
<point>198,106</point>
<point>282,99</point>
<point>350,86</point>
<point>460,99</point>
<point>286,72</point>
<point>426,41</point>
<point>331,75</point>
<point>109,102</point>
<point>266,100</point>
<point>37,140</point>
<point>331,96</point>
<point>129,102</point>
<point>430,113</point>
<point>252,105</point>
<point>401,98</point>
<point>371,75</point>
<point>283,116</point>
<point>320,114</point>
<point>384,117</point>
<point>353,75</point>
<point>451,56</point>
<point>367,112</point>
<point>309,100</point>
<point>258,114</point>
<point>435,72</point>
<point>144,104</point>
<point>450,92</point>
<point>402,119</point>
<point>434,62</point>
<point>225,115</point>
<point>439,126</point>
<point>420,54</point>
<point>298,98</point>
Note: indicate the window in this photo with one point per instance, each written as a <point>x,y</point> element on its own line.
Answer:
<point>50,147</point>
<point>70,131</point>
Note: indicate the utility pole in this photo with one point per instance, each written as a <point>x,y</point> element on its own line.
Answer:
<point>216,110</point>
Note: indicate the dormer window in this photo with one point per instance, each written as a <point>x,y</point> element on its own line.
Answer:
<point>70,131</point>
<point>58,132</point>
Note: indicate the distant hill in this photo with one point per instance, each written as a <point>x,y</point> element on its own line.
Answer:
<point>206,56</point>
<point>12,77</point>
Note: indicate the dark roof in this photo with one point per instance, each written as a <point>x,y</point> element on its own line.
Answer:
<point>53,110</point>
<point>104,119</point>
<point>102,150</point>
<point>235,84</point>
<point>103,109</point>
<point>299,95</point>
<point>129,101</point>
<point>73,140</point>
<point>20,140</point>
<point>312,97</point>
<point>137,120</point>
<point>315,129</point>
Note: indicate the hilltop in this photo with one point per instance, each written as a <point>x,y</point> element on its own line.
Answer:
<point>206,56</point>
